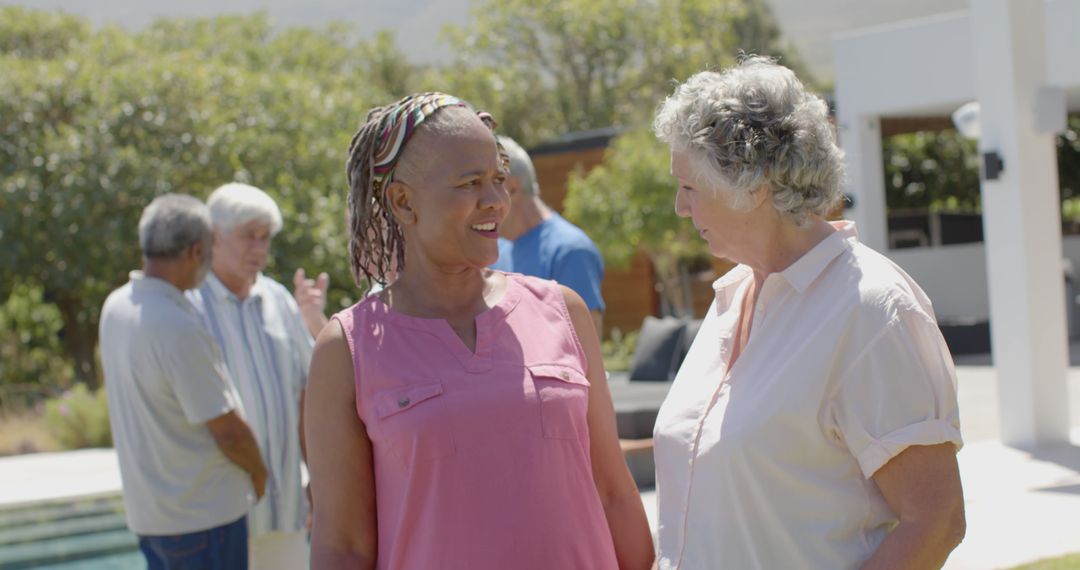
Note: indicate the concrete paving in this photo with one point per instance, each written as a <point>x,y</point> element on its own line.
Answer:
<point>28,480</point>
<point>1022,505</point>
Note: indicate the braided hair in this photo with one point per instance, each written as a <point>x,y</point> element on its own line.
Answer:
<point>377,242</point>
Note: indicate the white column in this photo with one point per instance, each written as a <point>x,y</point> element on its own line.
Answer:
<point>860,137</point>
<point>1022,221</point>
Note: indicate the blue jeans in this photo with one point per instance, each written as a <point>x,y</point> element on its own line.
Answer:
<point>219,548</point>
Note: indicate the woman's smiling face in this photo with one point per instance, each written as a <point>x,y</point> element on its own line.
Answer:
<point>454,179</point>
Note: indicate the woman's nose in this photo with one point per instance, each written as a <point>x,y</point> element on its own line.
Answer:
<point>682,208</point>
<point>495,196</point>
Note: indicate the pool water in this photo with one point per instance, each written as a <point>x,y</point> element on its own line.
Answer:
<point>87,534</point>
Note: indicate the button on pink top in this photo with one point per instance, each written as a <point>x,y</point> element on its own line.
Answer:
<point>481,459</point>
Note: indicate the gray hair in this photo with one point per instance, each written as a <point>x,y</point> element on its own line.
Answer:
<point>754,125</point>
<point>521,165</point>
<point>235,204</point>
<point>171,224</point>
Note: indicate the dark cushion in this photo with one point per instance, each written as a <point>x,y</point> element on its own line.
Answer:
<point>658,345</point>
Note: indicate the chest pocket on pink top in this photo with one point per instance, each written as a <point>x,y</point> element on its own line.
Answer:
<point>564,400</point>
<point>414,423</point>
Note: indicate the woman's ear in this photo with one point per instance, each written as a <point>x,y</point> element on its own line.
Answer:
<point>759,195</point>
<point>399,196</point>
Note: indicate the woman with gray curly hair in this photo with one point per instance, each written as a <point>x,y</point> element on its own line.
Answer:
<point>814,422</point>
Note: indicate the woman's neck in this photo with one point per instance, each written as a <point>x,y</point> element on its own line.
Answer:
<point>785,244</point>
<point>427,291</point>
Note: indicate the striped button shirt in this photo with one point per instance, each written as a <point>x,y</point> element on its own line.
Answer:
<point>267,348</point>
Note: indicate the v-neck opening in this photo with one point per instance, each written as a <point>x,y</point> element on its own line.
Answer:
<point>486,321</point>
<point>733,339</point>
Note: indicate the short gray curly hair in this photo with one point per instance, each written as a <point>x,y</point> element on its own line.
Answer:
<point>756,124</point>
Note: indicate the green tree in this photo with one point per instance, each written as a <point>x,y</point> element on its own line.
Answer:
<point>29,34</point>
<point>596,63</point>
<point>939,170</point>
<point>29,344</point>
<point>935,170</point>
<point>628,204</point>
<point>610,62</point>
<point>91,133</point>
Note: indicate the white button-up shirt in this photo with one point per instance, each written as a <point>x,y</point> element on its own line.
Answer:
<point>767,465</point>
<point>268,350</point>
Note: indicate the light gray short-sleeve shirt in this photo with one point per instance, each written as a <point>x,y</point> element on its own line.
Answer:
<point>165,379</point>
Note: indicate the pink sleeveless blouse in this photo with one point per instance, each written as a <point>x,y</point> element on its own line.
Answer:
<point>481,458</point>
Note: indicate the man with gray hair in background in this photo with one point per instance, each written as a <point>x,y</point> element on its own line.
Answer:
<point>265,335</point>
<point>537,241</point>
<point>189,463</point>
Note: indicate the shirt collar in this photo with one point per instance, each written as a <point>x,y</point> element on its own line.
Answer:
<point>221,292</point>
<point>156,284</point>
<point>801,274</point>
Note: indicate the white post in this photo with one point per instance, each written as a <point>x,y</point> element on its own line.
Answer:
<point>1022,221</point>
<point>860,137</point>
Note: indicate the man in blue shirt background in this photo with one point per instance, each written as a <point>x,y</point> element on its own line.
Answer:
<point>536,240</point>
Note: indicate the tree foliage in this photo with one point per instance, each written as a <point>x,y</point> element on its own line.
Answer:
<point>635,52</point>
<point>935,170</point>
<point>628,204</point>
<point>93,128</point>
<point>939,170</point>
<point>559,66</point>
<point>96,122</point>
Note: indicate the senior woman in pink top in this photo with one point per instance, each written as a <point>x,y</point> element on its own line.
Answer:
<point>813,424</point>
<point>459,418</point>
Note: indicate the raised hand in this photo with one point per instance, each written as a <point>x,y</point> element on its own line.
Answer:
<point>310,295</point>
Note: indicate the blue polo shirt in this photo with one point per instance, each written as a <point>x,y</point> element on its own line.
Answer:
<point>559,250</point>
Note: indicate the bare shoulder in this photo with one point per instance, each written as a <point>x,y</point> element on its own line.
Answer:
<point>575,304</point>
<point>331,359</point>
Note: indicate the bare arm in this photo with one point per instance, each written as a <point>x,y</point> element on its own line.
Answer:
<point>618,492</point>
<point>303,456</point>
<point>598,323</point>
<point>344,532</point>
<point>235,440</point>
<point>922,486</point>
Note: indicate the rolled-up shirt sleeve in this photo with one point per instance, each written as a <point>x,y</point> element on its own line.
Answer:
<point>900,391</point>
<point>199,376</point>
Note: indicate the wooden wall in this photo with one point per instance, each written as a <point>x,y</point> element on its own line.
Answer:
<point>553,170</point>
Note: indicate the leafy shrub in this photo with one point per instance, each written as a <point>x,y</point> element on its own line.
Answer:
<point>31,356</point>
<point>79,418</point>
<point>618,350</point>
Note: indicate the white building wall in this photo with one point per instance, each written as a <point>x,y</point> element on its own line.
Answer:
<point>1062,42</point>
<point>875,67</point>
<point>954,276</point>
